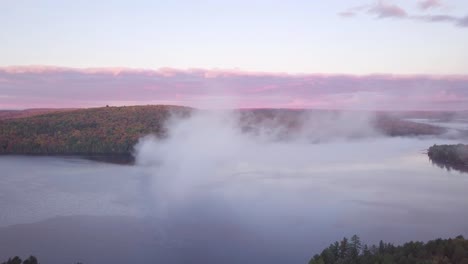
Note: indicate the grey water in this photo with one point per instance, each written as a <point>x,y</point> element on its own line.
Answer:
<point>68,210</point>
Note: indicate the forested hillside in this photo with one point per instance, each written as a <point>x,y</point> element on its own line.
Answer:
<point>106,130</point>
<point>291,120</point>
<point>10,114</point>
<point>450,156</point>
<point>352,251</point>
<point>115,130</point>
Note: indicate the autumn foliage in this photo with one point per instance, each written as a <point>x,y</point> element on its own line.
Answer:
<point>86,131</point>
<point>115,130</point>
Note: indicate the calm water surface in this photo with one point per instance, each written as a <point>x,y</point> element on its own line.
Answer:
<point>65,210</point>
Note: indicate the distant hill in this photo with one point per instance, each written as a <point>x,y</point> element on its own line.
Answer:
<point>386,123</point>
<point>396,126</point>
<point>106,130</point>
<point>115,130</point>
<point>9,114</point>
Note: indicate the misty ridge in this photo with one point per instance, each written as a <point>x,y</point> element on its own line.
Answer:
<point>216,147</point>
<point>224,135</point>
<point>213,134</point>
<point>263,127</point>
<point>238,131</point>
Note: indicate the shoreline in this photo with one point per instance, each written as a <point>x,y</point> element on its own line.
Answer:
<point>114,158</point>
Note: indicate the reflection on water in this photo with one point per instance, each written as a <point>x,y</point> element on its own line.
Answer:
<point>449,167</point>
<point>68,210</point>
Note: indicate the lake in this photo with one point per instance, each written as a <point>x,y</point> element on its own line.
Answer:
<point>277,203</point>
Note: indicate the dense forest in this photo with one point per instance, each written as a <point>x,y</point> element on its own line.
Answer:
<point>392,125</point>
<point>352,251</point>
<point>9,114</point>
<point>17,260</point>
<point>30,260</point>
<point>86,131</point>
<point>115,130</point>
<point>450,156</point>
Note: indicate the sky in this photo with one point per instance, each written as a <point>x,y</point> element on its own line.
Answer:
<point>49,46</point>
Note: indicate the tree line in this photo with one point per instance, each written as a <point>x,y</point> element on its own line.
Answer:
<point>106,130</point>
<point>352,251</point>
<point>30,260</point>
<point>450,154</point>
<point>17,260</point>
<point>115,130</point>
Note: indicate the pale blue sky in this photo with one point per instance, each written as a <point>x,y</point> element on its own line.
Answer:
<point>272,36</point>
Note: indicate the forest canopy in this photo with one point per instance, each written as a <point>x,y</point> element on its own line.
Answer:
<point>450,156</point>
<point>115,130</point>
<point>352,251</point>
<point>86,131</point>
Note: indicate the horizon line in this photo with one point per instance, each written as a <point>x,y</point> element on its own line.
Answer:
<point>239,108</point>
<point>116,70</point>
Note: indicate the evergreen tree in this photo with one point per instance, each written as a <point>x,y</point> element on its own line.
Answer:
<point>449,251</point>
<point>344,248</point>
<point>355,247</point>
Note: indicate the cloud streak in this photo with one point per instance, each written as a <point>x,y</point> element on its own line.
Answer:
<point>429,4</point>
<point>383,10</point>
<point>32,87</point>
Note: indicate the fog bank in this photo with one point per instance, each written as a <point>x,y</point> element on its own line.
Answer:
<point>211,147</point>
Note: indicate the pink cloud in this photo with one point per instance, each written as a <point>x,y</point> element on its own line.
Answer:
<point>38,86</point>
<point>384,10</point>
<point>428,4</point>
<point>436,18</point>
